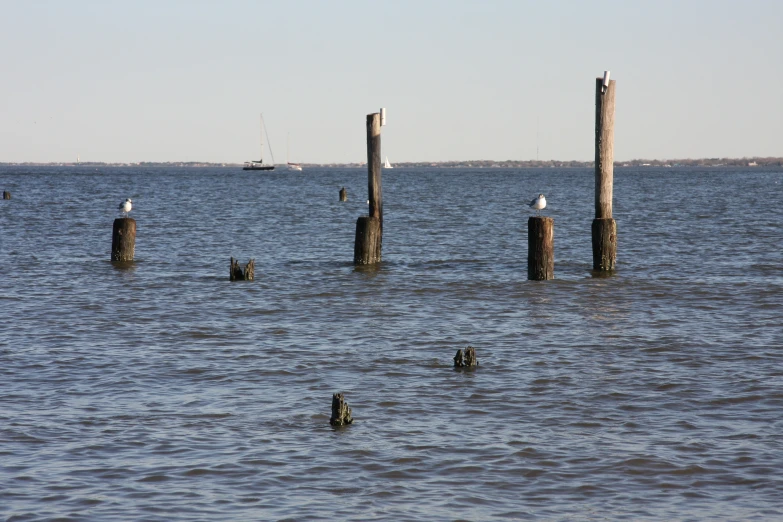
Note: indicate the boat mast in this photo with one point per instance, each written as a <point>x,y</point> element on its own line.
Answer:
<point>262,139</point>
<point>263,125</point>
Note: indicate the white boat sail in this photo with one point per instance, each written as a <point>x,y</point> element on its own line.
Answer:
<point>387,165</point>
<point>260,165</point>
<point>291,166</point>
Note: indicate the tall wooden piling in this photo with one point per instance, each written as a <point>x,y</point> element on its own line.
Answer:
<point>604,228</point>
<point>123,239</point>
<point>369,229</point>
<point>6,194</point>
<point>343,194</point>
<point>540,248</point>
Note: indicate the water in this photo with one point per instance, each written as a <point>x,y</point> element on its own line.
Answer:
<point>164,392</point>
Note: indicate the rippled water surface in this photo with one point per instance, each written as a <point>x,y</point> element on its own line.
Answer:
<point>162,391</point>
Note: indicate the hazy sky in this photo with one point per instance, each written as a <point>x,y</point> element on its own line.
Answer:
<point>186,80</point>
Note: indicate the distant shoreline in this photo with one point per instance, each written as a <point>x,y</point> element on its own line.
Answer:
<point>701,162</point>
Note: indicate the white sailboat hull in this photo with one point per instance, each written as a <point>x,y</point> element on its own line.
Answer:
<point>260,165</point>
<point>291,166</point>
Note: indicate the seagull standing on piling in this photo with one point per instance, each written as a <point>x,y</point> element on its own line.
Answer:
<point>538,204</point>
<point>126,206</point>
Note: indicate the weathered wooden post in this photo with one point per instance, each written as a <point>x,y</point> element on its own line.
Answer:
<point>604,229</point>
<point>343,194</point>
<point>6,194</point>
<point>540,248</point>
<point>123,239</point>
<point>369,229</point>
<point>341,412</point>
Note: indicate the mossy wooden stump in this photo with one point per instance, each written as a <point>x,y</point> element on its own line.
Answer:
<point>237,273</point>
<point>343,194</point>
<point>123,239</point>
<point>341,412</point>
<point>465,359</point>
<point>6,194</point>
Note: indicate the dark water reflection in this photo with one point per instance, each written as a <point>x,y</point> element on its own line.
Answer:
<point>162,391</point>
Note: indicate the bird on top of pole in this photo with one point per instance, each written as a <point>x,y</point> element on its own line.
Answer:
<point>126,206</point>
<point>538,204</point>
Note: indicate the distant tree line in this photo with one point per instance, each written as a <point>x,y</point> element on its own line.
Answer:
<point>701,162</point>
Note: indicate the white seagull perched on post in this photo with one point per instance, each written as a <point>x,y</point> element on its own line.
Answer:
<point>538,204</point>
<point>126,206</point>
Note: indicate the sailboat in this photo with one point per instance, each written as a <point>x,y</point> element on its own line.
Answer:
<point>387,165</point>
<point>291,166</point>
<point>260,165</point>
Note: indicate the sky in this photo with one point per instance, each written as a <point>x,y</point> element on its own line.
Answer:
<point>170,80</point>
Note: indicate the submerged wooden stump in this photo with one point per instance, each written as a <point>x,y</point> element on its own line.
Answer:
<point>540,248</point>
<point>237,273</point>
<point>466,358</point>
<point>123,239</point>
<point>341,412</point>
<point>343,194</point>
<point>367,245</point>
<point>604,244</point>
<point>6,194</point>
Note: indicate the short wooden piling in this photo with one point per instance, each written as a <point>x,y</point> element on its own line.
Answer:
<point>604,228</point>
<point>343,194</point>
<point>466,359</point>
<point>369,229</point>
<point>237,273</point>
<point>367,245</point>
<point>6,194</point>
<point>123,239</point>
<point>540,248</point>
<point>341,412</point>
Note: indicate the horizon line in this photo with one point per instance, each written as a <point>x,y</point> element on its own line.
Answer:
<point>750,160</point>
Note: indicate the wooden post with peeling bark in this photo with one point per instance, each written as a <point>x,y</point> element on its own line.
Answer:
<point>540,248</point>
<point>604,228</point>
<point>123,239</point>
<point>369,229</point>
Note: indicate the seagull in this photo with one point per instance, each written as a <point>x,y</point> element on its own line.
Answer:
<point>538,204</point>
<point>126,206</point>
